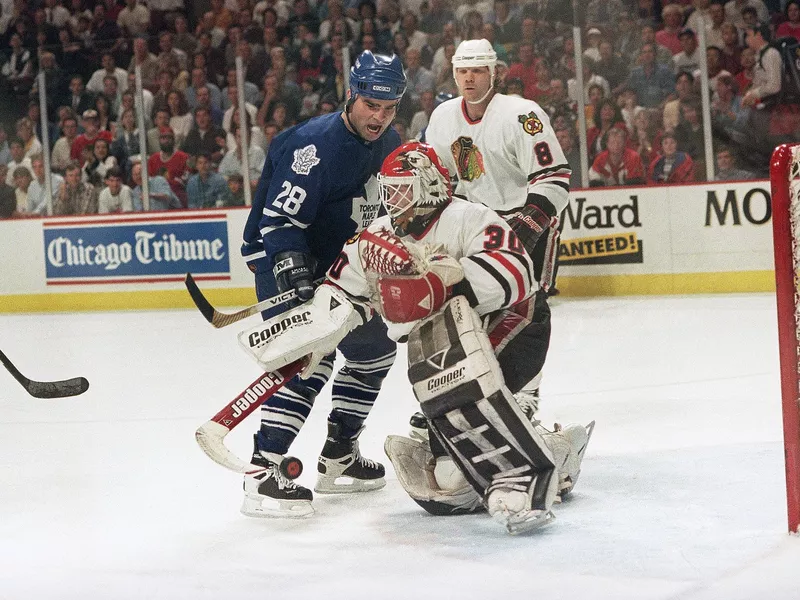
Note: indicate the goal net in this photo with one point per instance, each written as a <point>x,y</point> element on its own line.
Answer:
<point>785,182</point>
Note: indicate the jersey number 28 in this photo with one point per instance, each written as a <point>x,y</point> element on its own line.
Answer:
<point>290,199</point>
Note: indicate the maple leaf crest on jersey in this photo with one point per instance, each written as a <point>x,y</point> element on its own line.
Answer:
<point>468,159</point>
<point>305,159</point>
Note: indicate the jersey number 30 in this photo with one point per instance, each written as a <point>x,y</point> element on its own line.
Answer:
<point>290,199</point>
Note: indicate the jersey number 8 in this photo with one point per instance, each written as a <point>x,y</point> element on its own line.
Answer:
<point>294,196</point>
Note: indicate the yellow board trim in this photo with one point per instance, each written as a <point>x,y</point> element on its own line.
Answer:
<point>583,286</point>
<point>135,300</point>
<point>672,283</point>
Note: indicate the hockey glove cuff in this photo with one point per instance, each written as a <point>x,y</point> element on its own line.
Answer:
<point>295,271</point>
<point>529,223</point>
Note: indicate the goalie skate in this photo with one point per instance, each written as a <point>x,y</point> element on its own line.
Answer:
<point>268,492</point>
<point>507,505</point>
<point>568,445</point>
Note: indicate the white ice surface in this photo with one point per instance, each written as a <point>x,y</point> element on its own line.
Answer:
<point>107,497</point>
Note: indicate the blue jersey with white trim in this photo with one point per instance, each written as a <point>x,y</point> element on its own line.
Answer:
<point>312,195</point>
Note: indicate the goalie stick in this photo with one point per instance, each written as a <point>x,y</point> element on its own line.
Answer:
<point>46,389</point>
<point>220,319</point>
<point>211,435</point>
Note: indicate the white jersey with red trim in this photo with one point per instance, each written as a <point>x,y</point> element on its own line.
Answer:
<point>495,264</point>
<point>501,158</point>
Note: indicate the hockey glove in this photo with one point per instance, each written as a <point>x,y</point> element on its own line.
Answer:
<point>295,271</point>
<point>529,223</point>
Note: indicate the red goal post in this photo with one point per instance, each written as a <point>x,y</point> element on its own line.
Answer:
<point>785,182</point>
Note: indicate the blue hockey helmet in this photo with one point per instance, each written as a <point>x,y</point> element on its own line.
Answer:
<point>377,76</point>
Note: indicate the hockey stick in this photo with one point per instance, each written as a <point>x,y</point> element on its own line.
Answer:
<point>220,319</point>
<point>46,389</point>
<point>211,435</point>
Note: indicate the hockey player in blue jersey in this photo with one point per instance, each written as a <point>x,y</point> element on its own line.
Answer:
<point>318,189</point>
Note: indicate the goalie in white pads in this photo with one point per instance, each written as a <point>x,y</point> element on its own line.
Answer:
<point>452,278</point>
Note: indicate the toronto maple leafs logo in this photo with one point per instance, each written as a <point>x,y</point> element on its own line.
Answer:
<point>305,159</point>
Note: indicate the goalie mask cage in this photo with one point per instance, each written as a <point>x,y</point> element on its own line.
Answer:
<point>785,183</point>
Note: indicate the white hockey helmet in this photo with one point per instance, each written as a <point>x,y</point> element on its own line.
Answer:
<point>475,53</point>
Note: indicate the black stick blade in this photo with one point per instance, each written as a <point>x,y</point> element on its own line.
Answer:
<point>46,389</point>
<point>203,305</point>
<point>57,389</point>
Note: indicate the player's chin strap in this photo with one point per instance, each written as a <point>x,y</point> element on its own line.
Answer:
<point>482,98</point>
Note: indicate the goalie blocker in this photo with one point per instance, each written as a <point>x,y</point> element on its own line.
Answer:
<point>461,390</point>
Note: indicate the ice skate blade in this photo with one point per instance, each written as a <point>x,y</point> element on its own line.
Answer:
<point>346,485</point>
<point>568,484</point>
<point>521,523</point>
<point>258,506</point>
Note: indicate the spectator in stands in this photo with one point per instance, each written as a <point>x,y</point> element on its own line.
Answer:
<point>147,62</point>
<point>436,17</point>
<point>684,87</point>
<point>18,68</point>
<point>109,67</point>
<point>205,138</point>
<point>232,161</point>
<point>180,119</point>
<point>95,169</point>
<point>714,24</point>
<point>727,112</point>
<point>8,200</point>
<point>610,66</point>
<point>767,70</point>
<point>731,49</point>
<point>791,26</point>
<point>444,80</point>
<point>309,104</point>
<point>628,105</point>
<point>617,165</point>
<point>25,132</point>
<point>701,10</point>
<point>55,13</point>
<point>5,152</point>
<point>653,83</point>
<point>169,52</point>
<point>134,19</point>
<point>161,195</point>
<point>506,23</point>
<point>184,40</point>
<point>75,196</point>
<point>672,166</point>
<point>18,159</point>
<point>524,68</point>
<point>420,119</point>
<point>256,132</point>
<point>91,132</point>
<point>113,95</point>
<point>645,139</point>
<point>126,143</point>
<point>566,138</point>
<point>603,12</point>
<point>647,35</point>
<point>236,190</point>
<point>22,182</point>
<point>251,91</point>
<point>105,117</point>
<point>606,118</point>
<point>668,37</point>
<point>62,149</point>
<point>733,12</point>
<point>727,169</point>
<point>203,100</point>
<point>689,132</point>
<point>199,80</point>
<point>688,59</point>
<point>171,163</point>
<point>207,189</point>
<point>37,191</point>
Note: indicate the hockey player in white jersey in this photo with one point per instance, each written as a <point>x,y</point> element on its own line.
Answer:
<point>505,154</point>
<point>451,278</point>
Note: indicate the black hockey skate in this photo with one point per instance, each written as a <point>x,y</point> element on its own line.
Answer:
<point>269,490</point>
<point>342,469</point>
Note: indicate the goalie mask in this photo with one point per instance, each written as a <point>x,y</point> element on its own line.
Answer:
<point>414,187</point>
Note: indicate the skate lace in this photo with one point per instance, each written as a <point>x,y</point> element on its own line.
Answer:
<point>360,459</point>
<point>283,482</point>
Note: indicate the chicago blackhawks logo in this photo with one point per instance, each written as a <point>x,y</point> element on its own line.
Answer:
<point>531,124</point>
<point>469,160</point>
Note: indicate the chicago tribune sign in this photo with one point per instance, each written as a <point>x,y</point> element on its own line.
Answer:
<point>134,249</point>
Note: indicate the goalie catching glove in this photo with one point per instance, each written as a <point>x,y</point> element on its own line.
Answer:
<point>407,282</point>
<point>312,329</point>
